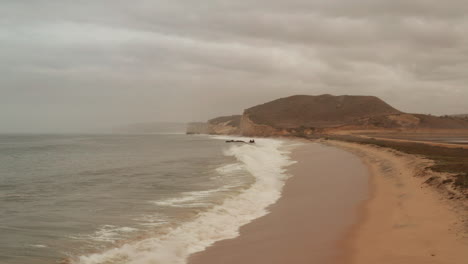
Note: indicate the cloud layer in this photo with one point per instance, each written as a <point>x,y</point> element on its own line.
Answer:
<point>69,65</point>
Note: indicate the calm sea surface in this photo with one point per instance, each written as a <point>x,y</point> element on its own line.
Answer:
<point>93,199</point>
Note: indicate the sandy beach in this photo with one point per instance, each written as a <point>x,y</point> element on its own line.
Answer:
<point>318,206</point>
<point>405,220</point>
<point>352,203</point>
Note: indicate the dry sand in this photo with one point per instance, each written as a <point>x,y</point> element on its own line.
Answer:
<point>317,220</point>
<point>405,221</point>
<point>318,206</point>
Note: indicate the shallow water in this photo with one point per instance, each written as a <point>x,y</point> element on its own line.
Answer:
<point>129,198</point>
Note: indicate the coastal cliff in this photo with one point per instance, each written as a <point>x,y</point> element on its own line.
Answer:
<point>304,115</point>
<point>224,125</point>
<point>250,128</point>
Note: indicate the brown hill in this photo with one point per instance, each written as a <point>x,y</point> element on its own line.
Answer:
<point>318,111</point>
<point>307,115</point>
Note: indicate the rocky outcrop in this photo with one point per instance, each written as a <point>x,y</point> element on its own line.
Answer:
<point>249,128</point>
<point>225,125</point>
<point>224,129</point>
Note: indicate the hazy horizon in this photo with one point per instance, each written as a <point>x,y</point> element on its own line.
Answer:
<point>83,66</point>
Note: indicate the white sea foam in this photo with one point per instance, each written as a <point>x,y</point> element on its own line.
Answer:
<point>107,233</point>
<point>152,220</point>
<point>191,199</point>
<point>266,161</point>
<point>203,198</point>
<point>231,168</point>
<point>38,246</point>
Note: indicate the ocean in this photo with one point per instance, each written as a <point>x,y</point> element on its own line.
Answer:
<point>95,199</point>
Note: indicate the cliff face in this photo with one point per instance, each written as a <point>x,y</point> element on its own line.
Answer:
<point>224,129</point>
<point>249,128</point>
<point>224,125</point>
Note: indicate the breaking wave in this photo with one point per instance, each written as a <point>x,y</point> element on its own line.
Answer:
<point>265,161</point>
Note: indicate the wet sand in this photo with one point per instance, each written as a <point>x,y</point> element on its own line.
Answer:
<point>318,207</point>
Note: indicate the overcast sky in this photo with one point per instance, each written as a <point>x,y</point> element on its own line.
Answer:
<point>70,65</point>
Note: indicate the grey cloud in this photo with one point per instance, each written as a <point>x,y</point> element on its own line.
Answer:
<point>86,64</point>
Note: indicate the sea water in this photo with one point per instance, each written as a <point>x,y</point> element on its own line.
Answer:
<point>91,199</point>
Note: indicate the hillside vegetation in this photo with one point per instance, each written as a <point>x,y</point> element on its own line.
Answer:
<point>318,111</point>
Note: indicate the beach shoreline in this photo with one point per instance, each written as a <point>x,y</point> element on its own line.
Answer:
<point>308,222</point>
<point>405,219</point>
<point>399,218</point>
